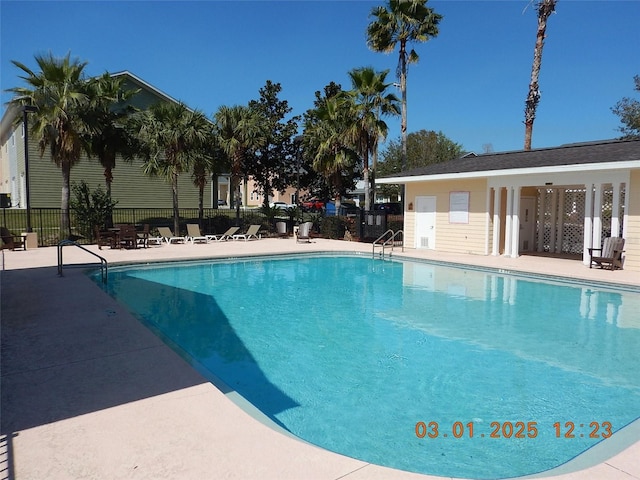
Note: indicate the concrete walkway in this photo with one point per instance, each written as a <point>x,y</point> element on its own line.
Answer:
<point>88,392</point>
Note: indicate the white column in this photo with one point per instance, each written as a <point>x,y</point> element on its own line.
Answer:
<point>487,221</point>
<point>515,218</point>
<point>542,195</point>
<point>508,223</point>
<point>588,223</point>
<point>615,211</point>
<point>560,234</point>
<point>495,250</point>
<point>597,216</point>
<point>23,188</point>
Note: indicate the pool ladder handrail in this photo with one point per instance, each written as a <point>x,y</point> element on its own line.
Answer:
<point>391,240</point>
<point>103,262</point>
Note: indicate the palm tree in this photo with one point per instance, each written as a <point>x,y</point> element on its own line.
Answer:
<point>61,96</point>
<point>106,118</point>
<point>240,131</point>
<point>204,167</point>
<point>328,140</point>
<point>545,8</point>
<point>370,101</point>
<point>401,22</point>
<point>171,137</point>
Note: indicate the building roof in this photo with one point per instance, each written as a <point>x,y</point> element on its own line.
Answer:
<point>579,154</point>
<point>148,95</point>
<point>136,81</point>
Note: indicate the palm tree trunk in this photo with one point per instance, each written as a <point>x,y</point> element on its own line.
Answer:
<point>367,193</point>
<point>65,219</point>
<point>238,200</point>
<point>403,125</point>
<point>372,176</point>
<point>176,210</point>
<point>403,91</point>
<point>200,204</point>
<point>545,8</point>
<point>108,179</point>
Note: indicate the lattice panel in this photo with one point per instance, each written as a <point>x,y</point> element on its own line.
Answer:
<point>546,226</point>
<point>572,217</point>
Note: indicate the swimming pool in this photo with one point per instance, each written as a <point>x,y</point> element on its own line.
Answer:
<point>427,368</point>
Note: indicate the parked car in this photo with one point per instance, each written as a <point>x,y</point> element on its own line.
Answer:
<point>392,208</point>
<point>281,205</point>
<point>222,203</point>
<point>312,205</point>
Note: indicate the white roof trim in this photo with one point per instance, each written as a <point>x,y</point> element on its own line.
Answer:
<point>579,167</point>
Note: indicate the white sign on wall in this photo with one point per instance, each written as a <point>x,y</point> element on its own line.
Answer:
<point>458,207</point>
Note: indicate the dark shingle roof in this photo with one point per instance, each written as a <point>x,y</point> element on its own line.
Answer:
<point>573,154</point>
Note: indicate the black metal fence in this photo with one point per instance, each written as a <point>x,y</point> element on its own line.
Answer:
<point>363,225</point>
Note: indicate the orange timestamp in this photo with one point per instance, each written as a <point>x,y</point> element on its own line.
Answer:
<point>511,430</point>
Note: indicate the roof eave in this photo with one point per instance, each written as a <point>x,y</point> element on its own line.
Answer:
<point>578,167</point>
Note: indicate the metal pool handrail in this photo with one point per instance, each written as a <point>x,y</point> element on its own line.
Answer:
<point>103,262</point>
<point>389,241</point>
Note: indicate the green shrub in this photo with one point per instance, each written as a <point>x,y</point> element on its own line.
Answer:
<point>333,227</point>
<point>92,208</point>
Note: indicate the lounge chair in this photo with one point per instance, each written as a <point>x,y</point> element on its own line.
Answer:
<point>228,235</point>
<point>155,239</point>
<point>304,232</point>
<point>194,235</point>
<point>11,240</point>
<point>281,227</point>
<point>168,236</point>
<point>610,253</point>
<point>252,232</point>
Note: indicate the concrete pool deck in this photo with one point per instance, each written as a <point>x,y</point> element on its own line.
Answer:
<point>88,392</point>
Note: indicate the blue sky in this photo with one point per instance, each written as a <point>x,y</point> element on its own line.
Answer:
<point>470,83</point>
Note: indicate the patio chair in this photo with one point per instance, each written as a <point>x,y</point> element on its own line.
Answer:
<point>12,241</point>
<point>194,235</point>
<point>104,237</point>
<point>143,236</point>
<point>168,236</point>
<point>281,228</point>
<point>228,235</point>
<point>304,232</point>
<point>610,253</point>
<point>127,236</point>
<point>252,232</point>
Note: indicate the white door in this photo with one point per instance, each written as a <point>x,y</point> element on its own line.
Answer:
<point>426,222</point>
<point>527,224</point>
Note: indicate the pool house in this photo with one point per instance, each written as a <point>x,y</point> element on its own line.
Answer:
<point>555,201</point>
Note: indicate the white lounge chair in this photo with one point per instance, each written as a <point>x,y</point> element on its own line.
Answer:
<point>168,236</point>
<point>228,235</point>
<point>194,235</point>
<point>252,232</point>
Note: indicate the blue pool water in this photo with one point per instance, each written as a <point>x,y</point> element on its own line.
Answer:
<point>352,354</point>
